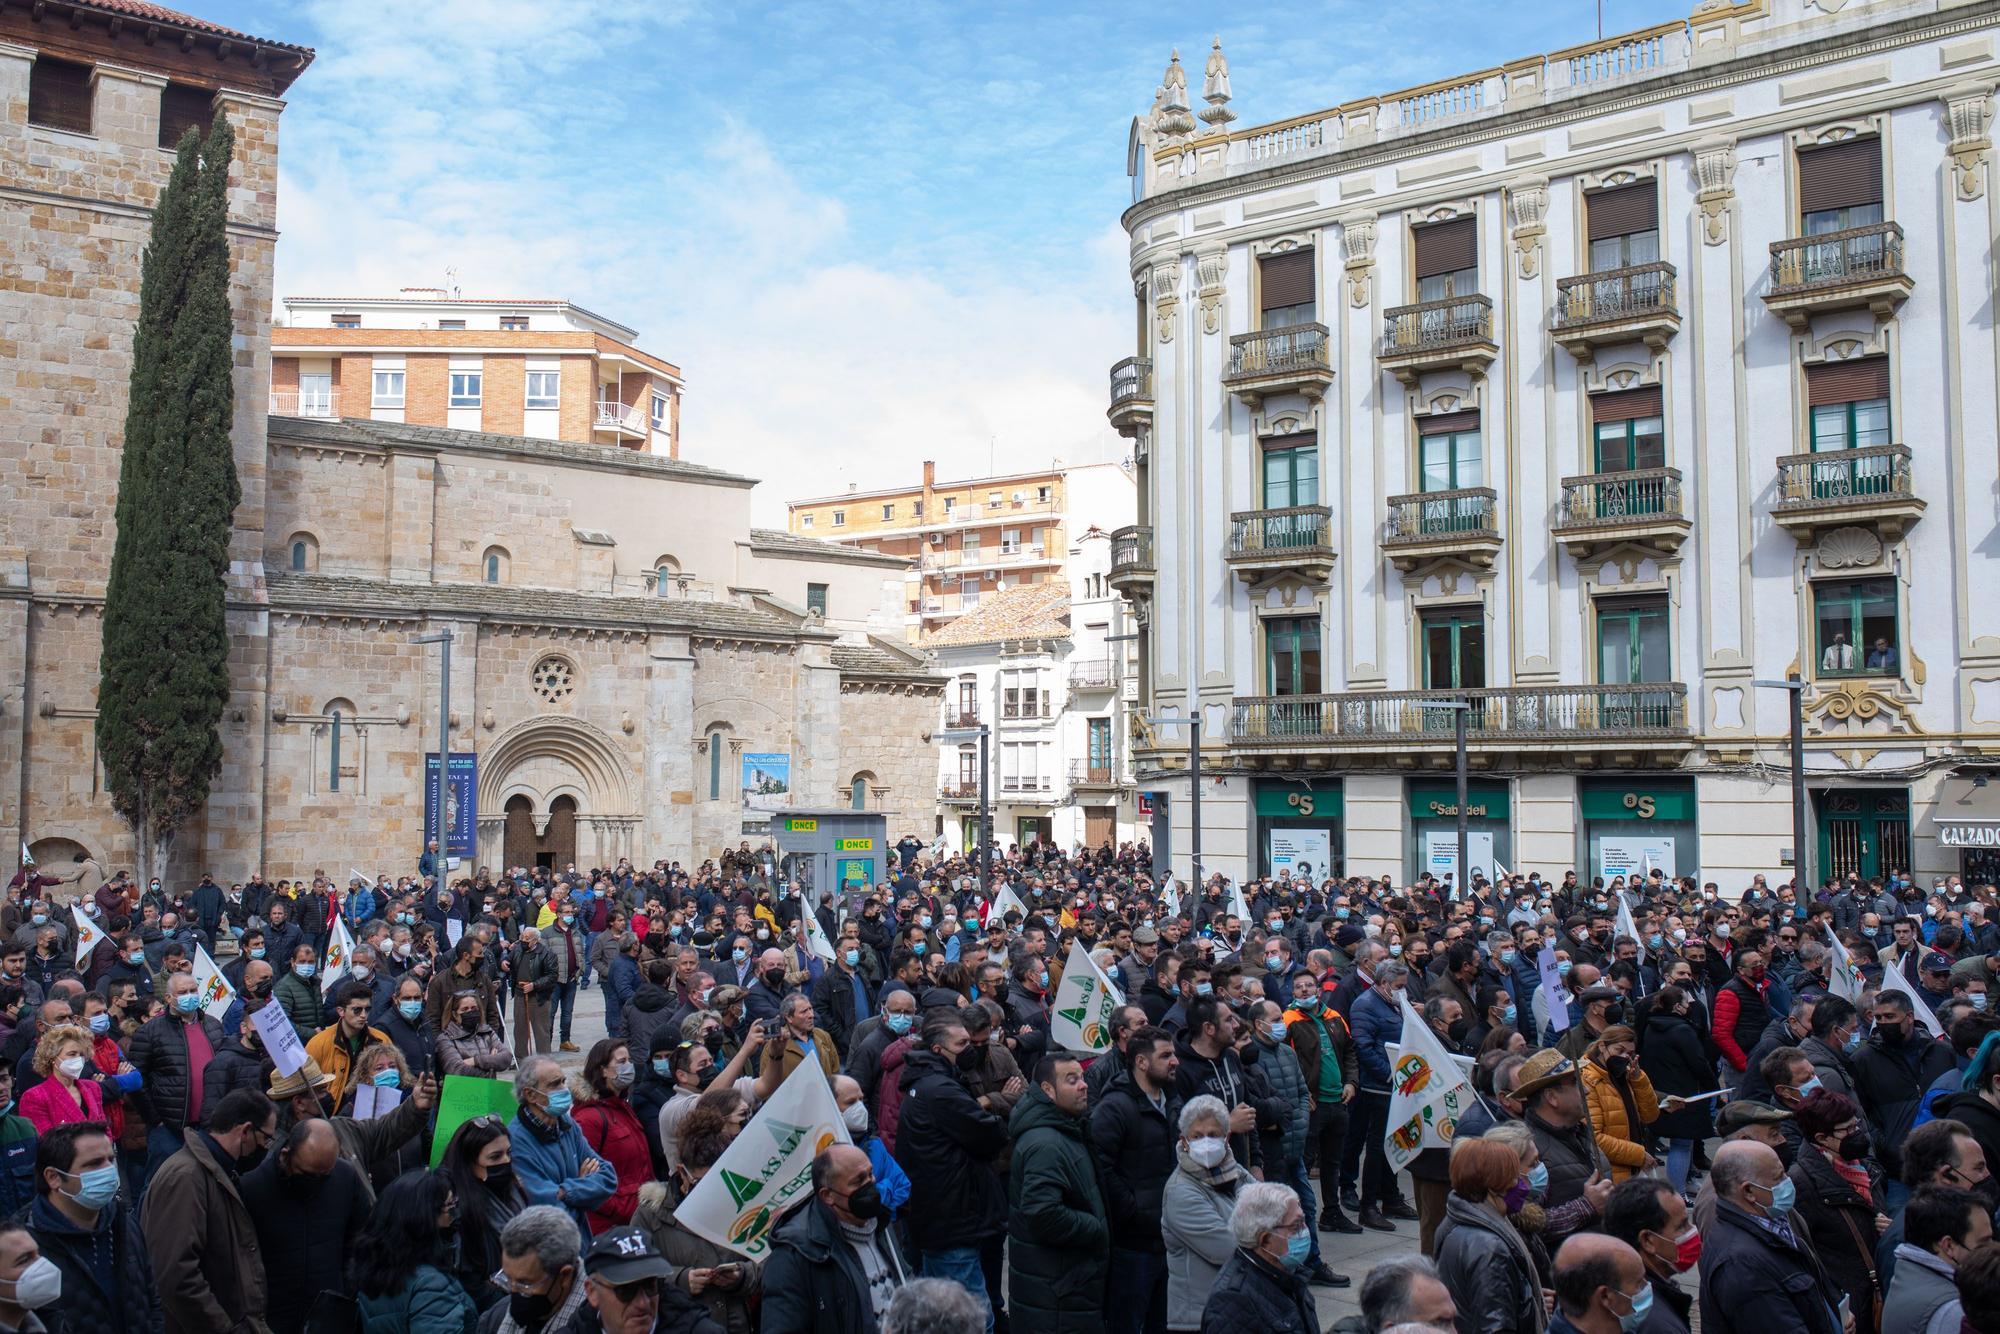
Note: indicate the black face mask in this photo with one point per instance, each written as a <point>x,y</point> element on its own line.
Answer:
<point>969,1058</point>
<point>1618,1067</point>
<point>775,979</point>
<point>1854,1147</point>
<point>499,1177</point>
<point>866,1202</point>
<point>1893,1035</point>
<point>714,1044</point>
<point>306,1183</point>
<point>530,1310</point>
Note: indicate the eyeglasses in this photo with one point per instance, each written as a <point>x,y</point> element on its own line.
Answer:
<point>500,1280</point>
<point>627,1293</point>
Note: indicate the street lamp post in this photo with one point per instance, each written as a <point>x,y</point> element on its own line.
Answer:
<point>1193,724</point>
<point>1797,690</point>
<point>1459,709</point>
<point>442,832</point>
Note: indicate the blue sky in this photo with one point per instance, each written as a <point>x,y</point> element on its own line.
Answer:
<point>869,234</point>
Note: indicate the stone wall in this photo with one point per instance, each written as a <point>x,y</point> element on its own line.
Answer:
<point>882,739</point>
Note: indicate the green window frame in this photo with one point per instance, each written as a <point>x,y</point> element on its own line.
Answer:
<point>1452,460</point>
<point>1628,446</point>
<point>1856,425</point>
<point>1292,655</point>
<point>1634,644</point>
<point>1454,650</point>
<point>1856,628</point>
<point>1098,742</point>
<point>1291,476</point>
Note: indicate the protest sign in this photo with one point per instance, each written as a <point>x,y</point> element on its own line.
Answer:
<point>371,1102</point>
<point>1553,994</point>
<point>1004,902</point>
<point>463,1097</point>
<point>280,1039</point>
<point>1080,1018</point>
<point>1427,1094</point>
<point>767,1166</point>
<point>454,931</point>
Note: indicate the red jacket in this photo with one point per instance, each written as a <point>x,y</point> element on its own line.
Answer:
<point>612,1128</point>
<point>1723,1027</point>
<point>105,1055</point>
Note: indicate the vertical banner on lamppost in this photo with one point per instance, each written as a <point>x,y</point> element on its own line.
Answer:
<point>451,791</point>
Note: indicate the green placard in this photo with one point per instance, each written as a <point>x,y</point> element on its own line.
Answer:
<point>465,1097</point>
<point>1295,801</point>
<point>1639,801</point>
<point>1439,801</point>
<point>856,870</point>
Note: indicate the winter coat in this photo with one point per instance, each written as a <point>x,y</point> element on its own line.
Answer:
<point>1676,1063</point>
<point>1252,1297</point>
<point>1027,1010</point>
<point>1891,1081</point>
<point>729,1308</point>
<point>650,1092</point>
<point>300,998</point>
<point>48,1104</point>
<point>429,1302</point>
<point>1612,1112</point>
<point>480,1054</point>
<point>646,1014</point>
<point>1059,1252</point>
<point>613,1129</point>
<point>116,1249</point>
<point>1835,1070</point>
<point>833,1004</point>
<point>417,1042</point>
<point>1752,1282</point>
<point>207,1262</point>
<point>1981,1117</point>
<point>946,1143</point>
<point>813,1282</point>
<point>1923,1297</point>
<point>1376,1022</point>
<point>1230,1079</point>
<point>1279,1065</point>
<point>307,1237</point>
<point>1303,1034</point>
<point>1194,1223</point>
<point>1489,1271</point>
<point>159,1051</point>
<point>335,1058</point>
<point>1840,1224</point>
<point>17,1163</point>
<point>1134,1145</point>
<point>889,1089</point>
<point>551,1159</point>
<point>446,983</point>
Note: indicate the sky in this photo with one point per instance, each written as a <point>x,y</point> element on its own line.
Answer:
<point>868,234</point>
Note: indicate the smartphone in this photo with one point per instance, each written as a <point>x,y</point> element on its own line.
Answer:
<point>1841,1312</point>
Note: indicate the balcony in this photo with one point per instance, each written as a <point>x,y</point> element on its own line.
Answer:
<point>324,403</point>
<point>1029,785</point>
<point>960,793</point>
<point>1460,525</point>
<point>1132,561</point>
<point>1291,360</point>
<point>1086,774</point>
<point>1266,543</point>
<point>1611,509</point>
<point>1856,269</point>
<point>1557,719</point>
<point>961,717</point>
<point>1839,488</point>
<point>1036,710</point>
<point>1093,674</point>
<point>1131,395</point>
<point>619,419</point>
<point>1630,305</point>
<point>1455,334</point>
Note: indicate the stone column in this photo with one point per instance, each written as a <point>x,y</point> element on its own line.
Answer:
<point>14,719</point>
<point>668,786</point>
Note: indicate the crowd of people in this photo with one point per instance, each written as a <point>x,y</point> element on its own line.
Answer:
<point>1795,1097</point>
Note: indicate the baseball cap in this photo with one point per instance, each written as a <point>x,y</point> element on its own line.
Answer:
<point>1745,1112</point>
<point>625,1255</point>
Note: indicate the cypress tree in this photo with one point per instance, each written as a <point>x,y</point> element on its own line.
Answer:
<point>164,664</point>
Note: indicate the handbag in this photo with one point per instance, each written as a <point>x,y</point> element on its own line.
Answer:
<point>1868,1258</point>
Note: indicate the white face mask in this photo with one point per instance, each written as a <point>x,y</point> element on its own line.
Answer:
<point>856,1118</point>
<point>39,1285</point>
<point>72,1067</point>
<point>1208,1151</point>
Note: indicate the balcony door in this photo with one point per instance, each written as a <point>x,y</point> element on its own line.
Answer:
<point>1446,263</point>
<point>1849,403</point>
<point>1634,648</point>
<point>1285,290</point>
<point>1097,741</point>
<point>1291,479</point>
<point>1455,651</point>
<point>316,395</point>
<point>1451,458</point>
<point>1629,435</point>
<point>1624,226</point>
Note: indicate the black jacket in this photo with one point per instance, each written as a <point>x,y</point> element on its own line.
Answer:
<point>1026,1009</point>
<point>1489,1269</point>
<point>233,1067</point>
<point>1979,1116</point>
<point>1676,1064</point>
<point>1753,1283</point>
<point>833,1004</point>
<point>813,1284</point>
<point>1059,1252</point>
<point>1891,1081</point>
<point>1252,1297</point>
<point>1778,1033</point>
<point>649,1010</point>
<point>1841,1227</point>
<point>306,1235</point>
<point>1228,1078</point>
<point>535,964</point>
<point>650,1093</point>
<point>417,1042</point>
<point>947,1143</point>
<point>117,1249</point>
<point>159,1051</point>
<point>1134,1145</point>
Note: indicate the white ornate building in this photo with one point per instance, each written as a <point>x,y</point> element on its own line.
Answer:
<point>1590,390</point>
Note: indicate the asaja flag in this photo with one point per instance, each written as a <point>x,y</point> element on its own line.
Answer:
<point>87,934</point>
<point>339,956</point>
<point>1628,927</point>
<point>1080,1019</point>
<point>1841,979</point>
<point>766,1167</point>
<point>213,988</point>
<point>1004,902</point>
<point>1427,1094</point>
<point>1893,980</point>
<point>816,940</point>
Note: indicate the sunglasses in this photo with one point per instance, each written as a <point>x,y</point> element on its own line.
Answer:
<point>628,1293</point>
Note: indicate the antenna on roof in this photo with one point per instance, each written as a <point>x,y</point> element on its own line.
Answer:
<point>451,281</point>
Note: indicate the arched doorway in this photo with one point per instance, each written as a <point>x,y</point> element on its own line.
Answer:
<point>554,791</point>
<point>549,841</point>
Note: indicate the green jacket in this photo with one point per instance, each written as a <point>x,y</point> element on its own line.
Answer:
<point>430,1303</point>
<point>1060,1258</point>
<point>17,1164</point>
<point>300,1001</point>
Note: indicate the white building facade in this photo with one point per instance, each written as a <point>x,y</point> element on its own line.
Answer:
<point>1588,391</point>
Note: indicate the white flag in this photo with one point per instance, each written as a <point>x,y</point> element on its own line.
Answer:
<point>1500,873</point>
<point>1080,1017</point>
<point>816,940</point>
<point>87,934</point>
<point>1004,902</point>
<point>767,1166</point>
<point>1427,1094</point>
<point>209,983</point>
<point>26,856</point>
<point>366,879</point>
<point>1893,980</point>
<point>1842,980</point>
<point>1237,903</point>
<point>1628,927</point>
<point>339,956</point>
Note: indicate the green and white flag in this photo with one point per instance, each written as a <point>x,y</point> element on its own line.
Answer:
<point>768,1166</point>
<point>1080,1019</point>
<point>816,940</point>
<point>1428,1092</point>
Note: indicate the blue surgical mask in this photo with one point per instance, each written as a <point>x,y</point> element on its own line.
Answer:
<point>1509,1015</point>
<point>305,969</point>
<point>100,1023</point>
<point>388,1079</point>
<point>410,1010</point>
<point>97,1187</point>
<point>1642,1302</point>
<point>560,1102</point>
<point>136,957</point>
<point>1783,1196</point>
<point>188,1002</point>
<point>1042,980</point>
<point>1507,958</point>
<point>1204,988</point>
<point>1274,962</point>
<point>257,951</point>
<point>1538,1177</point>
<point>739,955</point>
<point>1810,1087</point>
<point>663,1066</point>
<point>1562,967</point>
<point>1853,1043</point>
<point>1396,950</point>
<point>853,958</point>
<point>919,947</point>
<point>1342,914</point>
<point>1276,1030</point>
<point>1298,1249</point>
<point>899,1024</point>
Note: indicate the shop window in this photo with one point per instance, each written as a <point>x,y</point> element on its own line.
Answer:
<point>1856,624</point>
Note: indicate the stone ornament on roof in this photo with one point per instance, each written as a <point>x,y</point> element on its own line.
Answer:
<point>1174,119</point>
<point>1215,90</point>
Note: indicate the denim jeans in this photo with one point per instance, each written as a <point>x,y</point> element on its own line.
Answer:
<point>562,996</point>
<point>1296,1178</point>
<point>1137,1296</point>
<point>961,1265</point>
<point>1680,1156</point>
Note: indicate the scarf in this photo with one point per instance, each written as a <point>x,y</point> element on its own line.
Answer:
<point>1855,1175</point>
<point>1224,1176</point>
<point>561,1317</point>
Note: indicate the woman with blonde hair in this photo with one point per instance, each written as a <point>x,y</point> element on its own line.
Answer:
<point>1481,1258</point>
<point>381,1066</point>
<point>66,1093</point>
<point>1527,1203</point>
<point>1621,1102</point>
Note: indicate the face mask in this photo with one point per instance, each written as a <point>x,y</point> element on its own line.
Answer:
<point>1509,1015</point>
<point>71,1066</point>
<point>1276,1030</point>
<point>1208,1151</point>
<point>925,921</point>
<point>1342,914</point>
<point>1042,979</point>
<point>531,1310</point>
<point>1273,962</point>
<point>1853,1148</point>
<point>1680,935</point>
<point>1783,1196</point>
<point>1810,1087</point>
<point>1507,958</point>
<point>187,1002</point>
<point>622,1075</point>
<point>866,1202</point>
<point>1395,951</point>
<point>1978,999</point>
<point>410,1010</point>
<point>100,1023</point>
<point>1642,1302</point>
<point>1298,1249</point>
<point>899,1024</point>
<point>1562,967</point>
<point>97,1187</point>
<point>362,972</point>
<point>136,957</point>
<point>1853,1043</point>
<point>1516,1196</point>
<point>1687,1249</point>
<point>305,970</point>
<point>853,958</point>
<point>739,955</point>
<point>388,1079</point>
<point>39,1285</point>
<point>855,1118</point>
<point>559,1103</point>
<point>1538,1177</point>
<point>1204,988</point>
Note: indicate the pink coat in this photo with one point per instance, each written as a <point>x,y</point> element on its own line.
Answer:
<point>48,1104</point>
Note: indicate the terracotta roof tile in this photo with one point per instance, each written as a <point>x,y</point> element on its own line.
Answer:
<point>146,11</point>
<point>777,541</point>
<point>1032,611</point>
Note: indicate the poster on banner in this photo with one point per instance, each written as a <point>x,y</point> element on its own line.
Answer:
<point>767,1167</point>
<point>1301,853</point>
<point>462,1098</point>
<point>1441,855</point>
<point>1466,1064</point>
<point>767,780</point>
<point>280,1039</point>
<point>213,988</point>
<point>1080,1016</point>
<point>87,934</point>
<point>1552,989</point>
<point>339,956</point>
<point>1633,857</point>
<point>371,1102</point>
<point>1427,1094</point>
<point>454,931</point>
<point>453,794</point>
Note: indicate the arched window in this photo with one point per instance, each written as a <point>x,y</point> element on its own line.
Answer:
<point>715,766</point>
<point>303,554</point>
<point>493,565</point>
<point>859,799</point>
<point>666,575</point>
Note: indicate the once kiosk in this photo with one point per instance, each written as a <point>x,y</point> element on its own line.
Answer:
<point>838,849</point>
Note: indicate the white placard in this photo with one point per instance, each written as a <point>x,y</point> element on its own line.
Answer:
<point>1633,856</point>
<point>280,1039</point>
<point>371,1101</point>
<point>454,931</point>
<point>1552,989</point>
<point>1441,856</point>
<point>1304,853</point>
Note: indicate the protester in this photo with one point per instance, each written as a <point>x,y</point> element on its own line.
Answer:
<point>628,1290</point>
<point>1621,1102</point>
<point>1195,1209</point>
<point>833,1267</point>
<point>1480,1256</point>
<point>172,1053</point>
<point>947,1144</point>
<point>541,1272</point>
<point>1600,1287</point>
<point>1059,1233</point>
<point>196,1226</point>
<point>1758,1274</point>
<point>401,1269</point>
<point>1405,1292</point>
<point>725,1282</point>
<point>66,1094</point>
<point>309,1206</point>
<point>555,1165</point>
<point>1133,1131</point>
<point>93,1237</point>
<point>1650,1216</point>
<point>479,1163</point>
<point>1260,1289</point>
<point>1840,1196</point>
<point>1942,1229</point>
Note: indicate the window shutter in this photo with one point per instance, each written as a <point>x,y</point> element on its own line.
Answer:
<point>1843,175</point>
<point>1287,279</point>
<point>183,108</point>
<point>1445,423</point>
<point>1623,211</point>
<point>59,95</point>
<point>1299,440</point>
<point>1847,381</point>
<point>1446,247</point>
<point>1625,405</point>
